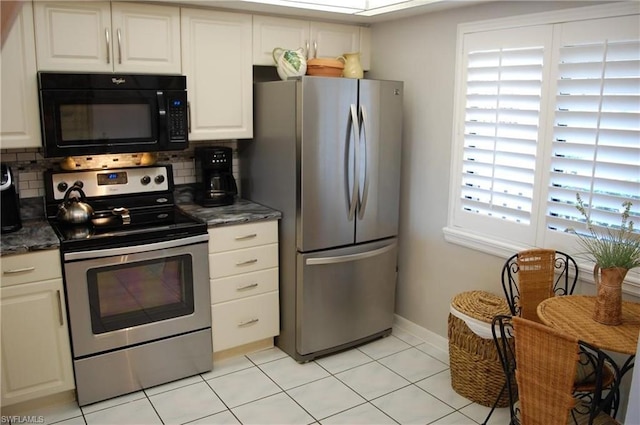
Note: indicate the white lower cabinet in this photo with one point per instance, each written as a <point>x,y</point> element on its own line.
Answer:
<point>243,271</point>
<point>36,355</point>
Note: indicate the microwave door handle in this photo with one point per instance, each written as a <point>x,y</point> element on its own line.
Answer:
<point>161,105</point>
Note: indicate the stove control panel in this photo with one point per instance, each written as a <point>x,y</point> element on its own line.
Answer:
<point>113,182</point>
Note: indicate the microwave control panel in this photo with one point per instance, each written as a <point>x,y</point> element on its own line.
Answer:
<point>177,119</point>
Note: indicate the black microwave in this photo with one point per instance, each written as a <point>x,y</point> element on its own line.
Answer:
<point>91,114</point>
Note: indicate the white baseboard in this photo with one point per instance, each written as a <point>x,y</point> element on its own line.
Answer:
<point>431,338</point>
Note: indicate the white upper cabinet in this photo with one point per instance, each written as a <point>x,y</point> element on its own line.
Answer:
<point>319,39</point>
<point>216,59</point>
<point>20,119</point>
<point>106,37</point>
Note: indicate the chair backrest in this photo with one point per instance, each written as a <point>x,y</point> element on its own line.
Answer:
<point>534,275</point>
<point>545,374</point>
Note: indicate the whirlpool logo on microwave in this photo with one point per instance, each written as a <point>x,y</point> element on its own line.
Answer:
<point>118,81</point>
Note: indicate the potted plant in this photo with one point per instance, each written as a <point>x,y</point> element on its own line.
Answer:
<point>614,251</point>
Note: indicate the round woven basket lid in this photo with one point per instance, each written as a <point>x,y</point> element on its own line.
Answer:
<point>480,305</point>
<point>333,63</point>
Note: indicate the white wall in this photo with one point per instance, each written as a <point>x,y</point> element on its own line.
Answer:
<point>421,52</point>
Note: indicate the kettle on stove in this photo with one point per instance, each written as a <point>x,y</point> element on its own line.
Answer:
<point>10,202</point>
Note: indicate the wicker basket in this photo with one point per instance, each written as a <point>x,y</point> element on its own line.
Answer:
<point>476,372</point>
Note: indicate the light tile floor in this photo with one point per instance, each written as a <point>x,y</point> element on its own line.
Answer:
<point>399,379</point>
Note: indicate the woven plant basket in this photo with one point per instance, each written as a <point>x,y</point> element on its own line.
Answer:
<point>476,372</point>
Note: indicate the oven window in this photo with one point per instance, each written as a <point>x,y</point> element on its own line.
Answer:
<point>109,121</point>
<point>133,294</point>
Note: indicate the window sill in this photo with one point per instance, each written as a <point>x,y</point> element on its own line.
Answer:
<point>504,249</point>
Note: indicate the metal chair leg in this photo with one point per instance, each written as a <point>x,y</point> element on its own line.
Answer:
<point>504,387</point>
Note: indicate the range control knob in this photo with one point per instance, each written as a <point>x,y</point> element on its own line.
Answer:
<point>79,184</point>
<point>145,180</point>
<point>159,179</point>
<point>63,186</point>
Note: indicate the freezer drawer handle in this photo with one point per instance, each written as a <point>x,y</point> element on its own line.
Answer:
<point>244,263</point>
<point>248,322</point>
<point>23,270</point>
<point>245,287</point>
<point>350,257</point>
<point>245,237</point>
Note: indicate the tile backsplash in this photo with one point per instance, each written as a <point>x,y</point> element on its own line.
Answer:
<point>28,166</point>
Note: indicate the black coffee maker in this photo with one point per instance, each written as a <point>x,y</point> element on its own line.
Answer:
<point>10,202</point>
<point>215,185</point>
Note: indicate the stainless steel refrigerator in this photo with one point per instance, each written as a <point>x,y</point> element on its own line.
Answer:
<point>326,153</point>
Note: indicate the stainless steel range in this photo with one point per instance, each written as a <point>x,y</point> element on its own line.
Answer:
<point>136,280</point>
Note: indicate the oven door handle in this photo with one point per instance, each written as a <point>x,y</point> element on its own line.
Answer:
<point>111,252</point>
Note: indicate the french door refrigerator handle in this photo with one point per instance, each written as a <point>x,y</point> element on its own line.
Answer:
<point>365,154</point>
<point>350,257</point>
<point>355,131</point>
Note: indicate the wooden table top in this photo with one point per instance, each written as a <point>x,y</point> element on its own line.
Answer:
<point>573,314</point>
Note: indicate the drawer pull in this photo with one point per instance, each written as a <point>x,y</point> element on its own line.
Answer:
<point>245,237</point>
<point>60,318</point>
<point>14,271</point>
<point>248,322</point>
<point>245,287</point>
<point>244,263</point>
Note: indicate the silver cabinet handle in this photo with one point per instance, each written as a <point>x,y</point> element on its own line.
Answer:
<point>315,49</point>
<point>244,263</point>
<point>106,36</point>
<point>60,318</point>
<point>349,257</point>
<point>245,287</point>
<point>248,322</point>
<point>15,271</point>
<point>245,237</point>
<point>119,47</point>
<point>306,49</point>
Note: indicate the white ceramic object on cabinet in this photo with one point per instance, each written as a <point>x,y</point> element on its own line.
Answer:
<point>216,59</point>
<point>36,355</point>
<point>20,117</point>
<point>319,39</point>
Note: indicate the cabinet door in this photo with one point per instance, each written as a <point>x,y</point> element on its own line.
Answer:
<point>146,38</point>
<point>20,119</point>
<point>333,40</point>
<point>36,356</point>
<point>269,33</point>
<point>73,36</point>
<point>216,59</point>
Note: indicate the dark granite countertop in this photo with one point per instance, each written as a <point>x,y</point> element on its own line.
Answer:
<point>241,211</point>
<point>35,235</point>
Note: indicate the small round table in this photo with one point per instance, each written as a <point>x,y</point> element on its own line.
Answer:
<point>573,314</point>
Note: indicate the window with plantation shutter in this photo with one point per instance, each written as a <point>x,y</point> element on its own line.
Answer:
<point>596,133</point>
<point>501,132</point>
<point>547,106</point>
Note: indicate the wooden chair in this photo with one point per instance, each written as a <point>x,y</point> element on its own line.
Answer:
<point>531,276</point>
<point>543,363</point>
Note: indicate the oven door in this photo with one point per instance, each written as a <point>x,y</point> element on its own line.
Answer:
<point>87,122</point>
<point>121,297</point>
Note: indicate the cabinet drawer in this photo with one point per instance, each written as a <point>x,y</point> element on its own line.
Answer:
<point>244,285</point>
<point>242,236</point>
<point>243,261</point>
<point>243,321</point>
<point>30,267</point>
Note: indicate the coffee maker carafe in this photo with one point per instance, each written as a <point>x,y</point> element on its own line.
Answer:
<point>216,185</point>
